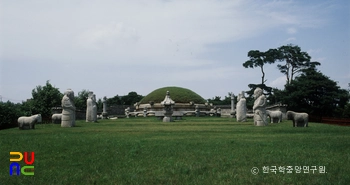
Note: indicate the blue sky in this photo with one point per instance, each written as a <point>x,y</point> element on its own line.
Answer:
<point>114,47</point>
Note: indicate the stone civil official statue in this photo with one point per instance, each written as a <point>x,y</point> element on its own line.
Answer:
<point>259,108</point>
<point>68,109</point>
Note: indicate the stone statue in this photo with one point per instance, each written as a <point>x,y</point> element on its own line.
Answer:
<point>241,112</point>
<point>89,105</point>
<point>68,109</point>
<point>197,111</point>
<point>127,110</point>
<point>145,111</point>
<point>168,104</point>
<point>56,118</point>
<point>91,108</point>
<point>299,119</point>
<point>94,108</point>
<point>275,116</point>
<point>218,112</point>
<point>28,121</point>
<point>259,108</point>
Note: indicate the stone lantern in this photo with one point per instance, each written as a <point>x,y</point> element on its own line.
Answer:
<point>168,104</point>
<point>104,113</point>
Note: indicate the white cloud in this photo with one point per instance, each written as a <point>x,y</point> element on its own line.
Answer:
<point>278,82</point>
<point>103,36</point>
<point>291,39</point>
<point>291,30</point>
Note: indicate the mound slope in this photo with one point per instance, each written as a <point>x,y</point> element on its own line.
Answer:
<point>178,94</point>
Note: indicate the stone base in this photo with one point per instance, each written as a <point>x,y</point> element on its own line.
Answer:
<point>167,119</point>
<point>104,115</point>
<point>259,123</point>
<point>66,124</point>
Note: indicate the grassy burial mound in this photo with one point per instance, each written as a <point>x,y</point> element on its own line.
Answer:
<point>190,151</point>
<point>178,94</point>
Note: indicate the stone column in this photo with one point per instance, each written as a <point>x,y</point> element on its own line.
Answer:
<point>232,105</point>
<point>104,112</point>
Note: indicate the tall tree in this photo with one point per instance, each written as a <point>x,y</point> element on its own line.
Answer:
<point>259,59</point>
<point>295,61</point>
<point>44,98</point>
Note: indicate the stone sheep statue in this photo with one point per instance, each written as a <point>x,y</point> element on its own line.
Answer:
<point>299,119</point>
<point>275,116</point>
<point>28,121</point>
<point>56,118</point>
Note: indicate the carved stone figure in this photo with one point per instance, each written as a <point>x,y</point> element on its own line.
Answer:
<point>89,104</point>
<point>68,109</point>
<point>28,121</point>
<point>168,104</point>
<point>275,116</point>
<point>241,110</point>
<point>127,110</point>
<point>94,108</point>
<point>299,119</point>
<point>56,118</point>
<point>218,112</point>
<point>145,112</point>
<point>197,111</point>
<point>259,108</point>
<point>91,108</point>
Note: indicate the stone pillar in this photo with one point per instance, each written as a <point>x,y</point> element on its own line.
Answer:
<point>104,112</point>
<point>232,105</point>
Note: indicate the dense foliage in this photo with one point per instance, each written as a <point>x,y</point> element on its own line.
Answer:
<point>80,100</point>
<point>9,114</point>
<point>218,101</point>
<point>315,93</point>
<point>129,99</point>
<point>44,98</point>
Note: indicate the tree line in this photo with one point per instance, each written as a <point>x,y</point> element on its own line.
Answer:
<point>47,96</point>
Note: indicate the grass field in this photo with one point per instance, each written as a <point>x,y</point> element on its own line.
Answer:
<point>188,151</point>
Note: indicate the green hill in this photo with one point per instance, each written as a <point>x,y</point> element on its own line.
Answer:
<point>178,94</point>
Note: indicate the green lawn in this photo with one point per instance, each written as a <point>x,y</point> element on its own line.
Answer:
<point>188,151</point>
